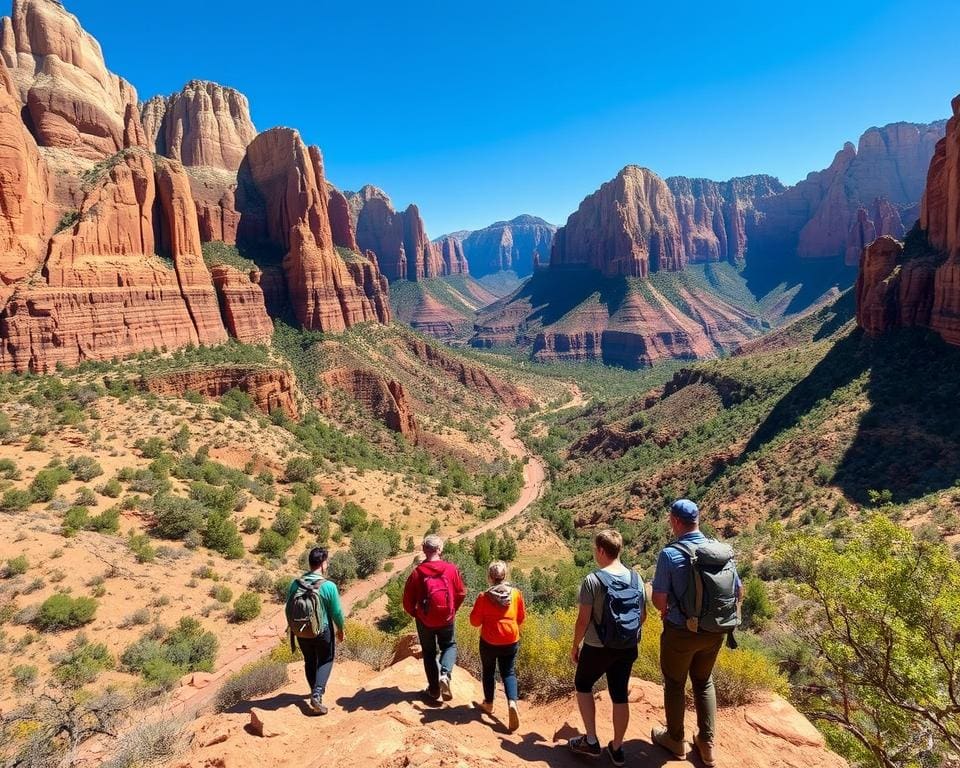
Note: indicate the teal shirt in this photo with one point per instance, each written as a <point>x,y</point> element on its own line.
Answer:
<point>328,594</point>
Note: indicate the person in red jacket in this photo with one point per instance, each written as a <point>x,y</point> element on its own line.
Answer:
<point>433,594</point>
<point>499,612</point>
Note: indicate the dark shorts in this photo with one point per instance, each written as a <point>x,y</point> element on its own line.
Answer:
<point>615,664</point>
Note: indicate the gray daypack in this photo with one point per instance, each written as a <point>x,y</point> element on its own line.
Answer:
<point>710,602</point>
<point>305,614</point>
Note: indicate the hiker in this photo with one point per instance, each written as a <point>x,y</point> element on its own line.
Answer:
<point>612,611</point>
<point>433,594</point>
<point>697,590</point>
<point>313,608</point>
<point>499,612</point>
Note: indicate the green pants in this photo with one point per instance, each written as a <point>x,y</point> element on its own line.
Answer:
<point>684,653</point>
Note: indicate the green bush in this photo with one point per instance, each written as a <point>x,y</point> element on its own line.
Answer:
<point>111,489</point>
<point>221,593</point>
<point>342,568</point>
<point>24,676</point>
<point>83,663</point>
<point>299,470</point>
<point>221,535</point>
<point>256,679</point>
<point>59,612</point>
<point>163,657</point>
<point>246,607</point>
<point>45,484</point>
<point>84,468</point>
<point>174,517</point>
<point>8,470</point>
<point>369,551</point>
<point>17,566</point>
<point>15,500</point>
<point>757,607</point>
<point>142,549</point>
<point>151,448</point>
<point>251,524</point>
<point>272,544</point>
<point>353,517</point>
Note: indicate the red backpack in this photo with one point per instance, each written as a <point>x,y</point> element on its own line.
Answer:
<point>436,607</point>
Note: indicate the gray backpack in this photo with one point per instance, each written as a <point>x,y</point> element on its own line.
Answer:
<point>305,615</point>
<point>710,602</point>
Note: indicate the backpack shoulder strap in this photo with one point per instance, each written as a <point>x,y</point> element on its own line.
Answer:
<point>604,578</point>
<point>684,547</point>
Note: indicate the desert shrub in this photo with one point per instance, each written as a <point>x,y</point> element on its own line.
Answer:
<point>75,519</point>
<point>235,403</point>
<point>342,568</point>
<point>15,500</point>
<point>84,468</point>
<point>368,645</point>
<point>83,663</point>
<point>107,521</point>
<point>174,517</point>
<point>8,470</point>
<point>246,607</point>
<point>16,566</point>
<point>299,470</point>
<point>255,679</point>
<point>281,588</point>
<point>163,657</point>
<point>262,582</point>
<point>147,744</point>
<point>251,524</point>
<point>142,548</point>
<point>221,535</point>
<point>223,499</point>
<point>24,676</point>
<point>272,544</point>
<point>744,676</point>
<point>151,448</point>
<point>757,606</point>
<point>44,485</point>
<point>85,497</point>
<point>353,517</point>
<point>287,523</point>
<point>369,551</point>
<point>221,593</point>
<point>64,612</point>
<point>138,618</point>
<point>149,482</point>
<point>111,489</point>
<point>180,442</point>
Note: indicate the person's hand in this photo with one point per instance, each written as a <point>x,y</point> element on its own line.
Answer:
<point>575,654</point>
<point>339,635</point>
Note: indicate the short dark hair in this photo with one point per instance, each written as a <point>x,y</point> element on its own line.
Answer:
<point>318,556</point>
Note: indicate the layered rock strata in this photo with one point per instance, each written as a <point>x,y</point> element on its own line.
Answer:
<point>271,389</point>
<point>507,246</point>
<point>383,399</point>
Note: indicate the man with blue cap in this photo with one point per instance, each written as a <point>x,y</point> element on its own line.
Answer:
<point>689,644</point>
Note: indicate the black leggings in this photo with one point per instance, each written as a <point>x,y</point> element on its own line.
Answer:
<point>318,655</point>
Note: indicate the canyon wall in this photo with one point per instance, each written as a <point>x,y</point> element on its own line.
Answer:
<point>507,246</point>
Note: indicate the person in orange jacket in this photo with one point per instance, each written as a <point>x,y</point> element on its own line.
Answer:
<point>499,612</point>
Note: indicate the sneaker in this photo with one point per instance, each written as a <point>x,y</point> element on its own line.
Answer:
<point>581,746</point>
<point>513,716</point>
<point>616,755</point>
<point>445,693</point>
<point>661,737</point>
<point>432,697</point>
<point>317,706</point>
<point>486,707</point>
<point>705,748</point>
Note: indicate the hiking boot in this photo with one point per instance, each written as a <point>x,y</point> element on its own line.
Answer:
<point>513,716</point>
<point>581,746</point>
<point>616,755</point>
<point>445,693</point>
<point>432,697</point>
<point>486,707</point>
<point>705,748</point>
<point>317,706</point>
<point>661,737</point>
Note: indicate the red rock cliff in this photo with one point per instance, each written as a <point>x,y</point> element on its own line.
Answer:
<point>454,259</point>
<point>508,245</point>
<point>270,388</point>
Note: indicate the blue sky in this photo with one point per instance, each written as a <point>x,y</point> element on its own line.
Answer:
<point>479,111</point>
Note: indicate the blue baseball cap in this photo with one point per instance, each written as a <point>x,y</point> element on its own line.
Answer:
<point>685,510</point>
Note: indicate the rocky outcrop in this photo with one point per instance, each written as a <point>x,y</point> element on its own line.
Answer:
<point>454,259</point>
<point>103,292</point>
<point>270,388</point>
<point>507,245</point>
<point>323,292</point>
<point>714,216</point>
<point>470,376</point>
<point>383,399</point>
<point>399,239</point>
<point>215,195</point>
<point>73,102</point>
<point>23,215</point>
<point>883,219</point>
<point>940,210</point>
<point>340,223</point>
<point>627,228</point>
<point>242,304</point>
<point>205,124</point>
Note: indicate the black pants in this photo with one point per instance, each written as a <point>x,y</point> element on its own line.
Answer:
<point>318,654</point>
<point>504,656</point>
<point>615,664</point>
<point>437,641</point>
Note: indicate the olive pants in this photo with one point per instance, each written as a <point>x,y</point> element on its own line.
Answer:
<point>684,653</point>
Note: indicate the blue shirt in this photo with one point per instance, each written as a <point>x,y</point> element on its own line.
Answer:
<point>671,576</point>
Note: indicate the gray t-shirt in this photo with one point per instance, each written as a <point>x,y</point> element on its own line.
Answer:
<point>592,593</point>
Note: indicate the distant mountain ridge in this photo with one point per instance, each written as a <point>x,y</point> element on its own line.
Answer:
<point>507,246</point>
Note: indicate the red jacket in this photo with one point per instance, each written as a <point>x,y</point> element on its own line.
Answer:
<point>413,591</point>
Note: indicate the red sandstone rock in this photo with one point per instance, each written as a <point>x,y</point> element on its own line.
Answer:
<point>270,388</point>
<point>340,223</point>
<point>242,304</point>
<point>878,286</point>
<point>627,228</point>
<point>940,210</point>
<point>454,259</point>
<point>205,124</point>
<point>22,195</point>
<point>384,400</point>
<point>884,219</point>
<point>423,257</point>
<point>323,292</point>
<point>214,193</point>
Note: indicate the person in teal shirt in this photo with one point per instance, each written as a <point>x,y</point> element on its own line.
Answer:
<point>319,652</point>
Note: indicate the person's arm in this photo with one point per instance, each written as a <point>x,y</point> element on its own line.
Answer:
<point>584,617</point>
<point>521,609</point>
<point>661,584</point>
<point>334,609</point>
<point>459,589</point>
<point>476,615</point>
<point>410,594</point>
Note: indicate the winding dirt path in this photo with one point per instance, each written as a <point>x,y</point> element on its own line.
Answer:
<point>264,636</point>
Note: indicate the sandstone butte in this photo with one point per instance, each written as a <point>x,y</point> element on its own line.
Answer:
<point>86,207</point>
<point>399,238</point>
<point>918,283</point>
<point>506,246</point>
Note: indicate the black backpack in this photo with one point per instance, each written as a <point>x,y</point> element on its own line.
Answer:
<point>710,602</point>
<point>622,616</point>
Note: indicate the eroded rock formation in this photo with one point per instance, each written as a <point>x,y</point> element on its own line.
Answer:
<point>383,399</point>
<point>454,259</point>
<point>270,388</point>
<point>242,304</point>
<point>507,245</point>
